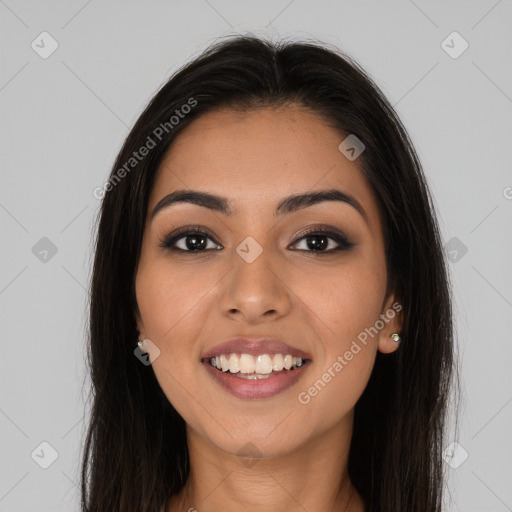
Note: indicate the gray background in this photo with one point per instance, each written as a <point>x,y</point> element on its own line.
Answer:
<point>64,118</point>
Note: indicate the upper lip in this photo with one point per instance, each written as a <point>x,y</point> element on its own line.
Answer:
<point>254,346</point>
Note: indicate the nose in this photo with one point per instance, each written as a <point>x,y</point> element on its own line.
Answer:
<point>255,292</point>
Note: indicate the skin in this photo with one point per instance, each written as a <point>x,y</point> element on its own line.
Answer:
<point>318,303</point>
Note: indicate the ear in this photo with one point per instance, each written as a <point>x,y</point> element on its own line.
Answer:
<point>392,319</point>
<point>140,324</point>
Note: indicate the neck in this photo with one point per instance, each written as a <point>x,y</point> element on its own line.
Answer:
<point>314,478</point>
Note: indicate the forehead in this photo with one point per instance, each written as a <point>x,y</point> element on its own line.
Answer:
<point>257,157</point>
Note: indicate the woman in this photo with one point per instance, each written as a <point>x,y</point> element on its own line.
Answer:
<point>270,320</point>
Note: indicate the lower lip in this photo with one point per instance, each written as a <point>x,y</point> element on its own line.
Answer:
<point>256,388</point>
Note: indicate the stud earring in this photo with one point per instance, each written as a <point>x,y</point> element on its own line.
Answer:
<point>396,337</point>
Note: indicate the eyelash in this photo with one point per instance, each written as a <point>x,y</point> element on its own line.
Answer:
<point>168,241</point>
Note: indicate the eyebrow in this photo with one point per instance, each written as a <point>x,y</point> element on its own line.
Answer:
<point>287,205</point>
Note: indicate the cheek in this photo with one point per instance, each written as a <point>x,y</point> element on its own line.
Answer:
<point>345,305</point>
<point>345,301</point>
<point>170,302</point>
<point>174,306</point>
<point>341,372</point>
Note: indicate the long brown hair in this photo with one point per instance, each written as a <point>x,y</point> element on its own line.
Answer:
<point>135,453</point>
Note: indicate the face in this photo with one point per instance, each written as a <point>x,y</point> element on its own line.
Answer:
<point>298,278</point>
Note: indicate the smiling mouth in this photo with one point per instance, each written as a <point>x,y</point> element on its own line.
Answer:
<point>263,366</point>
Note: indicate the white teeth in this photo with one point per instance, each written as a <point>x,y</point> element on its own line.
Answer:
<point>264,364</point>
<point>247,364</point>
<point>253,367</point>
<point>277,363</point>
<point>224,363</point>
<point>252,376</point>
<point>234,364</point>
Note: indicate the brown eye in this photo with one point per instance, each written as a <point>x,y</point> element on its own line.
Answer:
<point>321,241</point>
<point>190,240</point>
